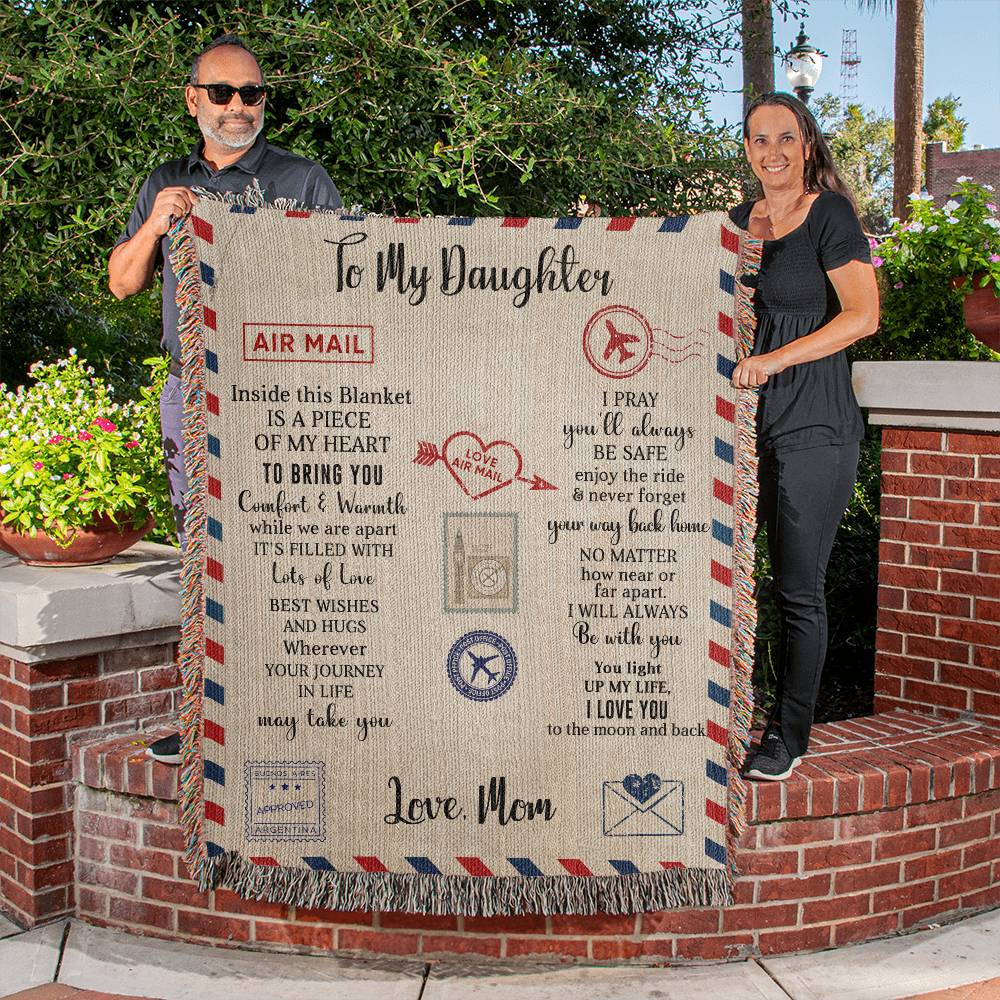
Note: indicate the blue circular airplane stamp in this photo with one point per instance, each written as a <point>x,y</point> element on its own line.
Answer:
<point>482,665</point>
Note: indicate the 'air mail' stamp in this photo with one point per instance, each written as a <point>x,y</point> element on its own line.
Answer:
<point>285,800</point>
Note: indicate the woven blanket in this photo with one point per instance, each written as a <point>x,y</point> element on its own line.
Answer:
<point>467,617</point>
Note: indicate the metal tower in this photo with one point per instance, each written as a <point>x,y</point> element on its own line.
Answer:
<point>849,63</point>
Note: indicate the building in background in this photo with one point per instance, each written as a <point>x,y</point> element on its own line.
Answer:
<point>944,168</point>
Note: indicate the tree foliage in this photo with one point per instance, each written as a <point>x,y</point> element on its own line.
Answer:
<point>413,106</point>
<point>861,141</point>
<point>942,123</point>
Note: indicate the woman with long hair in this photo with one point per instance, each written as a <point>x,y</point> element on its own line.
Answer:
<point>815,295</point>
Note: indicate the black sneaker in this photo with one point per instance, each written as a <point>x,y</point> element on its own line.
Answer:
<point>167,750</point>
<point>771,761</point>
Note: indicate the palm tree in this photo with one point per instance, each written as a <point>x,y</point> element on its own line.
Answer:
<point>758,50</point>
<point>908,98</point>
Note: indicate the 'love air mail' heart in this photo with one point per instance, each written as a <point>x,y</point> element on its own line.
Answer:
<point>481,468</point>
<point>641,789</point>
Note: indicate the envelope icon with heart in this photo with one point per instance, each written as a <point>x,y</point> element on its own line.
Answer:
<point>626,814</point>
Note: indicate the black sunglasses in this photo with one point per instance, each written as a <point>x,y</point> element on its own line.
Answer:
<point>221,93</point>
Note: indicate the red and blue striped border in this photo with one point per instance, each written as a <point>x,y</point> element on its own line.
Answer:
<point>214,690</point>
<point>616,224</point>
<point>474,866</point>
<point>720,611</point>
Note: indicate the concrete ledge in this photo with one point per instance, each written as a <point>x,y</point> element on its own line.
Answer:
<point>62,612</point>
<point>961,395</point>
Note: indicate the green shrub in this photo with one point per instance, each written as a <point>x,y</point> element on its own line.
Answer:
<point>70,451</point>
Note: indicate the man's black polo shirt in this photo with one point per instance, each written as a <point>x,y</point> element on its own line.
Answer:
<point>280,174</point>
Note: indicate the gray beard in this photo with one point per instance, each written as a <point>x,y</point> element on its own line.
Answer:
<point>242,140</point>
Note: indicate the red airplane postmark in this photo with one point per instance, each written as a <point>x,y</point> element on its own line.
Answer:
<point>618,342</point>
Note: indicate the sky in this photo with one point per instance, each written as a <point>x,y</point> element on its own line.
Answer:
<point>961,57</point>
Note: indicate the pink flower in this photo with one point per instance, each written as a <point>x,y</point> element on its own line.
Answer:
<point>898,284</point>
<point>994,257</point>
<point>872,242</point>
<point>104,425</point>
<point>37,465</point>
<point>55,439</point>
<point>84,436</point>
<point>877,262</point>
<point>132,444</point>
<point>991,206</point>
<point>67,475</point>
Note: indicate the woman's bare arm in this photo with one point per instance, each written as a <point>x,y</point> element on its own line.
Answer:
<point>854,283</point>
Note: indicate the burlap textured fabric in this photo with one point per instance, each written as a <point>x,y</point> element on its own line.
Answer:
<point>467,617</point>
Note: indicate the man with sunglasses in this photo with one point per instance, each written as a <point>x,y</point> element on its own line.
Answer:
<point>226,94</point>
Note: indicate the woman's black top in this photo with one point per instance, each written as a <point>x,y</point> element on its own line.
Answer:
<point>812,403</point>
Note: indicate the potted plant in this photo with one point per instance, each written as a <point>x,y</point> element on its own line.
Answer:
<point>79,472</point>
<point>960,242</point>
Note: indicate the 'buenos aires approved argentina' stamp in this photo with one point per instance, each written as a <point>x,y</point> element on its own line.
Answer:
<point>284,800</point>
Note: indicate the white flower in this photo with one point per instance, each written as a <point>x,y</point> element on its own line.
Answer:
<point>72,352</point>
<point>950,219</point>
<point>989,187</point>
<point>962,180</point>
<point>932,229</point>
<point>5,468</point>
<point>894,220</point>
<point>992,223</point>
<point>951,205</point>
<point>917,227</point>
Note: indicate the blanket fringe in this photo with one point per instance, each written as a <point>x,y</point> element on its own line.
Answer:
<point>183,260</point>
<point>463,894</point>
<point>745,607</point>
<point>253,197</point>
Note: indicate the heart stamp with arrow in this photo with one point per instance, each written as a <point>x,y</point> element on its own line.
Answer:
<point>479,468</point>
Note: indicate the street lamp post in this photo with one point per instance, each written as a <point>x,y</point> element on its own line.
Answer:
<point>803,64</point>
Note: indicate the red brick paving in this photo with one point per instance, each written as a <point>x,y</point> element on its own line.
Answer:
<point>988,989</point>
<point>59,991</point>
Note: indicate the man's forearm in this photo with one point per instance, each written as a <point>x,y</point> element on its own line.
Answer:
<point>130,268</point>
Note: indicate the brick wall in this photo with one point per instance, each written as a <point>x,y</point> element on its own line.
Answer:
<point>45,708</point>
<point>938,642</point>
<point>944,169</point>
<point>891,822</point>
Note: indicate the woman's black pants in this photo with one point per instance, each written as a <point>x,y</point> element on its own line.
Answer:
<point>803,496</point>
